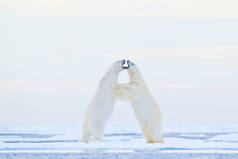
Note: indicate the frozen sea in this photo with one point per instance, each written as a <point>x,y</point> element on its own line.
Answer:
<point>62,142</point>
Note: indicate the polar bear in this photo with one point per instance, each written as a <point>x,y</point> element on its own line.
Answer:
<point>146,109</point>
<point>101,106</point>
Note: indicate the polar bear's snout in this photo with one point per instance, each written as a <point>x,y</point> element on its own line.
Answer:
<point>129,63</point>
<point>125,64</point>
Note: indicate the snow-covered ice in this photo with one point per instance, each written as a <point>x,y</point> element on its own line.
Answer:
<point>14,140</point>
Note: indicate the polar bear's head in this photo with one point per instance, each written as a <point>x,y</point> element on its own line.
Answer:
<point>134,72</point>
<point>119,66</point>
<point>132,68</point>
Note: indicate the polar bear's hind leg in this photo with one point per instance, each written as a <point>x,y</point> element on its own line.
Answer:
<point>154,129</point>
<point>98,132</point>
<point>86,136</point>
<point>147,136</point>
<point>155,135</point>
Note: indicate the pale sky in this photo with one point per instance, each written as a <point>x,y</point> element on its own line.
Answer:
<point>53,53</point>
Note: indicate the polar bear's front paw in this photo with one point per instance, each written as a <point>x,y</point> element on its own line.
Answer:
<point>85,140</point>
<point>97,138</point>
<point>160,140</point>
<point>149,141</point>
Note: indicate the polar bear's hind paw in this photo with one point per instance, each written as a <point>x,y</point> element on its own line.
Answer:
<point>149,141</point>
<point>83,140</point>
<point>160,140</point>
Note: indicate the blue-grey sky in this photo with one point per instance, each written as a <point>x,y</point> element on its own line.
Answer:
<point>53,53</point>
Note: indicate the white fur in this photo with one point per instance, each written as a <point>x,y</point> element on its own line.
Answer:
<point>146,108</point>
<point>101,106</point>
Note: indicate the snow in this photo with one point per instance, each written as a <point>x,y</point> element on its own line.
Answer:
<point>117,139</point>
<point>225,138</point>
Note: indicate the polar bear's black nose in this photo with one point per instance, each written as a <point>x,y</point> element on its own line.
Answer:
<point>123,62</point>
